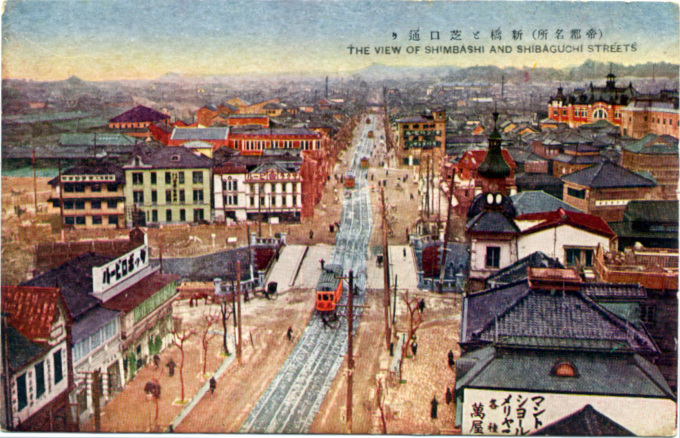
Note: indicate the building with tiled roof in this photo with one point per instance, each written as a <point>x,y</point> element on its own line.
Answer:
<point>137,117</point>
<point>605,189</point>
<point>570,237</point>
<point>169,185</point>
<point>538,201</point>
<point>215,136</point>
<point>518,270</point>
<point>428,255</point>
<point>584,422</point>
<point>36,332</point>
<point>654,224</point>
<point>122,316</point>
<point>587,105</point>
<point>539,349</point>
<point>658,155</point>
<point>89,196</point>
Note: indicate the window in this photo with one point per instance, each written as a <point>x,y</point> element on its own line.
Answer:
<point>252,201</point>
<point>153,178</point>
<point>168,178</point>
<point>68,205</point>
<point>80,188</point>
<point>22,396</point>
<point>112,188</point>
<point>68,188</point>
<point>80,205</point>
<point>137,178</point>
<point>138,197</point>
<point>181,177</point>
<point>96,205</point>
<point>599,114</point>
<point>95,188</point>
<point>182,196</point>
<point>56,203</point>
<point>154,196</point>
<point>58,370</point>
<point>579,256</point>
<point>197,177</point>
<point>80,220</point>
<point>493,256</point>
<point>168,215</point>
<point>175,158</point>
<point>198,196</point>
<point>112,204</point>
<point>564,369</point>
<point>198,214</point>
<point>580,194</point>
<point>113,220</point>
<point>95,340</point>
<point>154,215</point>
<point>182,215</point>
<point>96,220</point>
<point>168,196</point>
<point>39,379</point>
<point>69,220</point>
<point>273,201</point>
<point>647,314</point>
<point>234,185</point>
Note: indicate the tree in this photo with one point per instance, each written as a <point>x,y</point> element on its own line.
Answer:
<point>153,388</point>
<point>209,319</point>
<point>415,319</point>
<point>178,342</point>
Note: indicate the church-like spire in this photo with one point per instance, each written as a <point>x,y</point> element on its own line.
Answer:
<point>494,165</point>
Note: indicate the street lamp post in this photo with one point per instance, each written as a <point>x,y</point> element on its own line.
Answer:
<point>223,306</point>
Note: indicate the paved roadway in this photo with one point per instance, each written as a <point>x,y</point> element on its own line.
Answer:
<point>294,396</point>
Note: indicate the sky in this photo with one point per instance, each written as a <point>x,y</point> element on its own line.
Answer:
<point>145,39</point>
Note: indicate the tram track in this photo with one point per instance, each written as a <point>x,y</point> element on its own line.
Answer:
<point>294,396</point>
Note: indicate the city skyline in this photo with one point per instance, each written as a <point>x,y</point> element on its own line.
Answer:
<point>121,39</point>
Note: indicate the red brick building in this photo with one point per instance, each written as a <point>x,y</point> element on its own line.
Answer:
<point>652,115</point>
<point>588,105</point>
<point>256,141</point>
<point>658,155</point>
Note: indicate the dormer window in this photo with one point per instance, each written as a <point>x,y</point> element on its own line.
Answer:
<point>564,369</point>
<point>174,158</point>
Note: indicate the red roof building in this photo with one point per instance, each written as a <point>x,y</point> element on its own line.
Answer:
<point>137,117</point>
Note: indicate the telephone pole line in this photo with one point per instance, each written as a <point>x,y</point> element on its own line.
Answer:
<point>350,350</point>
<point>386,271</point>
<point>238,309</point>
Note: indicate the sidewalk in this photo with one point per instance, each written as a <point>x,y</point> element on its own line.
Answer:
<point>284,269</point>
<point>311,267</point>
<point>403,267</point>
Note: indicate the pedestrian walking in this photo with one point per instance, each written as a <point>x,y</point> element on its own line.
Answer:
<point>213,385</point>
<point>404,252</point>
<point>449,396</point>
<point>451,361</point>
<point>414,348</point>
<point>323,262</point>
<point>433,410</point>
<point>421,305</point>
<point>289,333</point>
<point>156,360</point>
<point>171,367</point>
<point>311,234</point>
<point>411,196</point>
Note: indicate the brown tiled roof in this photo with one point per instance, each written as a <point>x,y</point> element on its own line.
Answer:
<point>139,292</point>
<point>32,310</point>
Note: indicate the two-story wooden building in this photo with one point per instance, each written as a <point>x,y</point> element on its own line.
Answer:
<point>37,371</point>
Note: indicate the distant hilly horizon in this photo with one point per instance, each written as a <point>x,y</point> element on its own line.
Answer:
<point>588,70</point>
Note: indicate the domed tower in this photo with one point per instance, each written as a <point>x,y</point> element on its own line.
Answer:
<point>494,169</point>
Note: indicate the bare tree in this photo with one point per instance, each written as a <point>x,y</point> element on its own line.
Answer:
<point>380,397</point>
<point>178,342</point>
<point>153,388</point>
<point>209,319</point>
<point>415,319</point>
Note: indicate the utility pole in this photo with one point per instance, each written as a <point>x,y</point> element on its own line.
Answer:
<point>442,269</point>
<point>35,186</point>
<point>350,351</point>
<point>386,271</point>
<point>61,200</point>
<point>9,420</point>
<point>96,396</point>
<point>238,309</point>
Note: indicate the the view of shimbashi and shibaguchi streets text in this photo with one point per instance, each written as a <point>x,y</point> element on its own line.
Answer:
<point>400,251</point>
